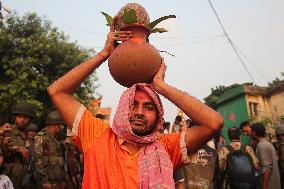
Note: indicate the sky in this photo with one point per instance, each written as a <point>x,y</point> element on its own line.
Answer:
<point>203,57</point>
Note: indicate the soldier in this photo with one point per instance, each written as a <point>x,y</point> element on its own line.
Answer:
<point>16,153</point>
<point>72,163</point>
<point>48,153</point>
<point>31,179</point>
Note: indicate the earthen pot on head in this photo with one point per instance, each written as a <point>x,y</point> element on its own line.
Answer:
<point>135,60</point>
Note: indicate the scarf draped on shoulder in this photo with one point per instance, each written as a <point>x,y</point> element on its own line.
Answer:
<point>155,169</point>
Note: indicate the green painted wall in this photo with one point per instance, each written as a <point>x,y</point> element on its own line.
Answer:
<point>234,111</point>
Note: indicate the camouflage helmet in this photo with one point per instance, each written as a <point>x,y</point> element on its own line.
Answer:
<point>23,108</point>
<point>31,127</point>
<point>54,117</point>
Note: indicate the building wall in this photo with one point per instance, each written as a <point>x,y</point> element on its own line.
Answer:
<point>277,105</point>
<point>258,107</point>
<point>234,112</point>
<point>267,107</point>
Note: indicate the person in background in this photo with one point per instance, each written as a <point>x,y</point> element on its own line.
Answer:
<point>31,179</point>
<point>5,182</point>
<point>176,126</point>
<point>246,129</point>
<point>267,157</point>
<point>234,135</point>
<point>16,152</point>
<point>279,131</point>
<point>49,160</point>
<point>166,127</point>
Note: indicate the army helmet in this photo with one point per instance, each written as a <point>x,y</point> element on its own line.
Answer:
<point>23,108</point>
<point>54,117</point>
<point>31,127</point>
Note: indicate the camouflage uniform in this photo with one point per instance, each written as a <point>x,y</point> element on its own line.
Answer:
<point>72,164</point>
<point>49,156</point>
<point>31,180</point>
<point>15,167</point>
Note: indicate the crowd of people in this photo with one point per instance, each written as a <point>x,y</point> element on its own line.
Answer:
<point>139,149</point>
<point>32,158</point>
<point>258,164</point>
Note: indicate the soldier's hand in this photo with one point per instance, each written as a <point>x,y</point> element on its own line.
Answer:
<point>46,185</point>
<point>7,127</point>
<point>7,141</point>
<point>25,153</point>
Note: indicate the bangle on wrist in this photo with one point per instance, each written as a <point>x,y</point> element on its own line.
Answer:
<point>100,54</point>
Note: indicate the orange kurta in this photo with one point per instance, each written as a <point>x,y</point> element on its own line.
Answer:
<point>107,161</point>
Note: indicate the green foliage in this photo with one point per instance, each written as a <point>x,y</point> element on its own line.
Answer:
<point>153,24</point>
<point>214,97</point>
<point>108,18</point>
<point>129,16</point>
<point>159,30</point>
<point>33,55</point>
<point>276,81</point>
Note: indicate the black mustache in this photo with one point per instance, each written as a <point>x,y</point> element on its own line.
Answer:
<point>138,118</point>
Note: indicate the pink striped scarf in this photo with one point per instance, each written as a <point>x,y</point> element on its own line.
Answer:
<point>155,169</point>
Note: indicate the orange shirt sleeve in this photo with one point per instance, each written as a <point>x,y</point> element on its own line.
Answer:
<point>171,143</point>
<point>90,128</point>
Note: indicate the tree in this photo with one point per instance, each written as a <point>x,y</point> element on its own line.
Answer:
<point>33,54</point>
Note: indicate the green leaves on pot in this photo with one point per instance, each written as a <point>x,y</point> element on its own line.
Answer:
<point>129,16</point>
<point>159,30</point>
<point>153,24</point>
<point>108,18</point>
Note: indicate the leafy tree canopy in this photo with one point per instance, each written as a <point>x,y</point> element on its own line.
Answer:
<point>33,54</point>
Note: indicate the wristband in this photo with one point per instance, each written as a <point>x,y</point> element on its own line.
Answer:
<point>100,54</point>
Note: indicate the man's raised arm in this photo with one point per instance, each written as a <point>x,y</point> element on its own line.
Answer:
<point>207,121</point>
<point>61,91</point>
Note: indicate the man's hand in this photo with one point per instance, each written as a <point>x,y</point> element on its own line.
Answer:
<point>112,37</point>
<point>25,153</point>
<point>7,141</point>
<point>7,127</point>
<point>46,185</point>
<point>159,77</point>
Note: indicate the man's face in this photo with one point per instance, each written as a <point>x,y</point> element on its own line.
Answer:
<point>247,130</point>
<point>144,115</point>
<point>31,134</point>
<point>22,120</point>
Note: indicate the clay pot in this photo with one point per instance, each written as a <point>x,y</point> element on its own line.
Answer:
<point>135,60</point>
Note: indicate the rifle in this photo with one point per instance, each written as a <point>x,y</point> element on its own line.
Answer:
<point>31,173</point>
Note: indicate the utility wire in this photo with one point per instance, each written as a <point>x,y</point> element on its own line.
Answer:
<point>231,42</point>
<point>264,77</point>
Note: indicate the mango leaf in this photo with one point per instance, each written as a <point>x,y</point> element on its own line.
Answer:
<point>159,30</point>
<point>156,22</point>
<point>129,16</point>
<point>108,18</point>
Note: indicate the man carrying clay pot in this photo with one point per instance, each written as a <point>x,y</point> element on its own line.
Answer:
<point>132,153</point>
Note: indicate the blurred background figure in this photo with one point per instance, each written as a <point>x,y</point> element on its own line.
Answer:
<point>267,156</point>
<point>15,150</point>
<point>166,127</point>
<point>279,131</point>
<point>49,154</point>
